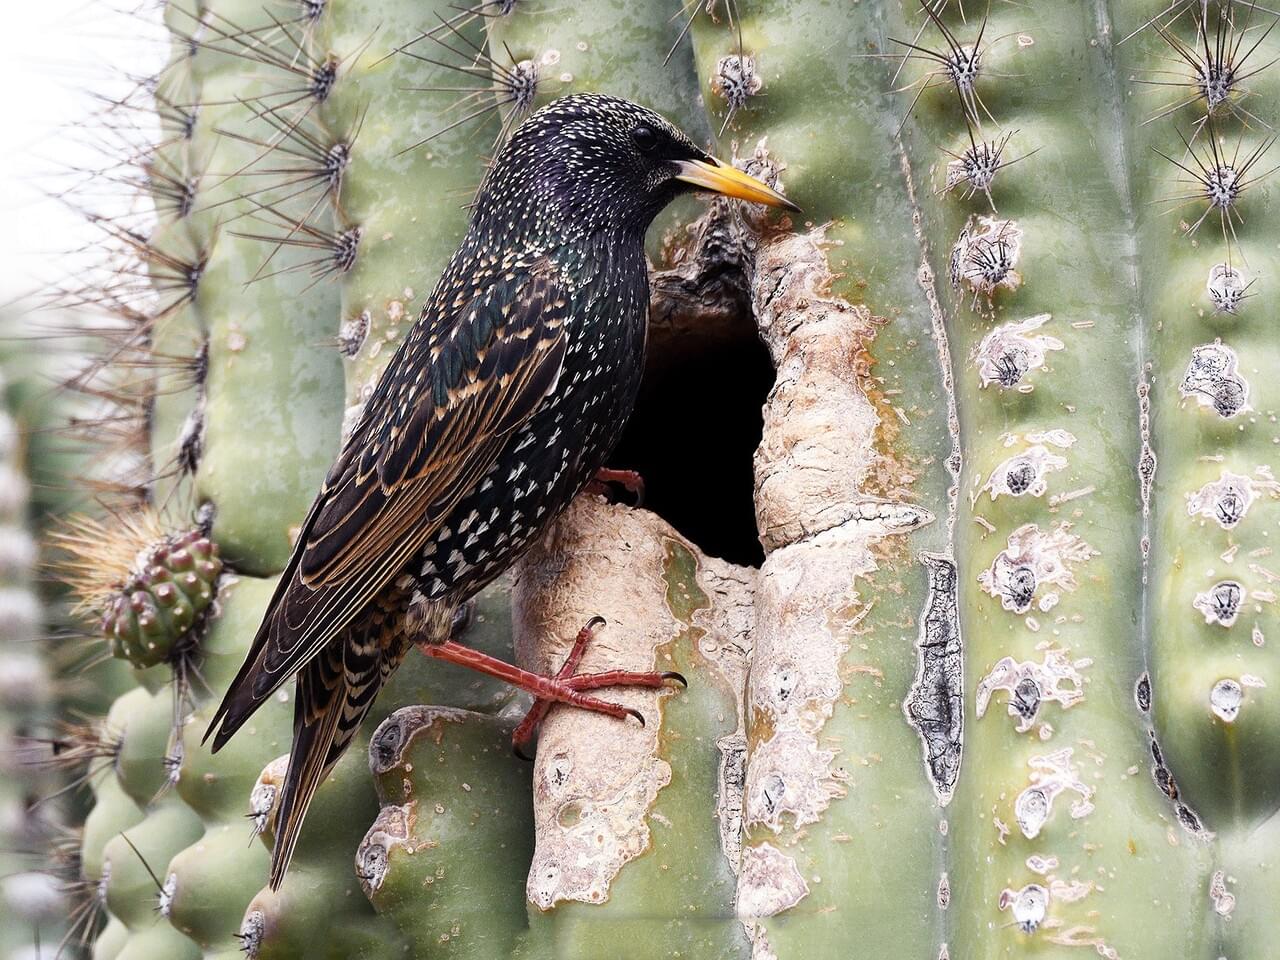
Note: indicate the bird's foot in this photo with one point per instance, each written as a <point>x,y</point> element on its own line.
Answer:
<point>566,686</point>
<point>629,480</point>
<point>571,679</point>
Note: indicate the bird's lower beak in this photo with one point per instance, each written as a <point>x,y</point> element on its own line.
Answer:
<point>722,178</point>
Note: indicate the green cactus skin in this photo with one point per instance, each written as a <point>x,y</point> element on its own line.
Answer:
<point>1227,768</point>
<point>113,813</point>
<point>112,939</point>
<point>830,609</point>
<point>213,878</point>
<point>453,805</point>
<point>1119,823</point>
<point>380,107</point>
<point>270,413</point>
<point>283,923</point>
<point>1214,707</point>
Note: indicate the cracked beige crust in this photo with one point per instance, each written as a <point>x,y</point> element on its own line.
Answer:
<point>596,779</point>
<point>818,528</point>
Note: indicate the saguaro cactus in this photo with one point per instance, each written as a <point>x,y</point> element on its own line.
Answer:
<point>989,673</point>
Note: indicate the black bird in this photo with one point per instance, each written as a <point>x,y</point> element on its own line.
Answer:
<point>501,403</point>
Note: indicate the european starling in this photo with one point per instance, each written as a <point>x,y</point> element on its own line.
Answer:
<point>501,403</point>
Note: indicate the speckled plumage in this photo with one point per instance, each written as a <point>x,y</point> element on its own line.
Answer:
<point>500,404</point>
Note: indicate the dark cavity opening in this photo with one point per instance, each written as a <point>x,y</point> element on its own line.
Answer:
<point>695,429</point>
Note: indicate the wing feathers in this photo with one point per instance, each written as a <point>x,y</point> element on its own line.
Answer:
<point>438,418</point>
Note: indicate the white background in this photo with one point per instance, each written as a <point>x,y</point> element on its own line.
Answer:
<point>58,53</point>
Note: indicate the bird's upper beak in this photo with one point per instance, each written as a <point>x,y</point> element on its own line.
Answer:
<point>711,174</point>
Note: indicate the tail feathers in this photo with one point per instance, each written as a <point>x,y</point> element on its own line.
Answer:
<point>335,691</point>
<point>310,760</point>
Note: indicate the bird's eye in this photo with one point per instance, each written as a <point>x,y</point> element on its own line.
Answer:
<point>646,138</point>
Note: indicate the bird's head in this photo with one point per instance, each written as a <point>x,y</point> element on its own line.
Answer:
<point>592,162</point>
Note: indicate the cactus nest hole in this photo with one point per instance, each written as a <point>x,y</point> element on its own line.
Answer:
<point>694,433</point>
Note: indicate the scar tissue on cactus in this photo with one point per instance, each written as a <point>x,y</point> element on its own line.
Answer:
<point>147,586</point>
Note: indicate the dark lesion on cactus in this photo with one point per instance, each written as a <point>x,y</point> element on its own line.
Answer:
<point>1165,782</point>
<point>934,706</point>
<point>1142,693</point>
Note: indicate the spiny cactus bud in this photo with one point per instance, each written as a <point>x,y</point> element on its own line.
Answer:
<point>148,586</point>
<point>161,600</point>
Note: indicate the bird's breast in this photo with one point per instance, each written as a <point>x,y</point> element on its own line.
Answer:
<point>544,464</point>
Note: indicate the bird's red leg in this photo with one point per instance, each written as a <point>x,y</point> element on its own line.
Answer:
<point>629,480</point>
<point>564,687</point>
<point>524,733</point>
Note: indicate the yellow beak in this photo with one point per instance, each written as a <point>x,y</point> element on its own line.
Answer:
<point>722,178</point>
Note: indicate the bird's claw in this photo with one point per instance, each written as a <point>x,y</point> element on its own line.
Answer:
<point>569,686</point>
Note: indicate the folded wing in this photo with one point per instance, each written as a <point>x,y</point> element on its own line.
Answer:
<point>459,385</point>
